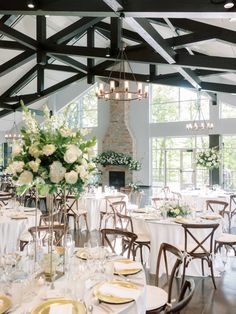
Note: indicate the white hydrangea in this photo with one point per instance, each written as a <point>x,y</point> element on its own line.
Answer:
<point>25,178</point>
<point>57,172</point>
<point>15,167</point>
<point>72,153</point>
<point>81,170</point>
<point>71,177</point>
<point>34,164</point>
<point>34,150</point>
<point>49,149</point>
<point>65,132</point>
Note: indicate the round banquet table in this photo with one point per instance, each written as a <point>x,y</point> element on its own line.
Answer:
<point>94,203</point>
<point>12,226</point>
<point>168,231</point>
<point>64,287</point>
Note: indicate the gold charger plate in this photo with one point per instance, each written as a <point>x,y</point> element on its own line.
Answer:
<point>211,217</point>
<point>5,303</point>
<point>44,307</point>
<point>19,217</point>
<point>126,272</point>
<point>82,254</point>
<point>110,298</point>
<point>183,220</point>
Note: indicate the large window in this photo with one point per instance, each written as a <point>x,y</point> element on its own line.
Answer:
<point>227,111</point>
<point>174,162</point>
<point>82,112</point>
<point>229,162</point>
<point>170,104</point>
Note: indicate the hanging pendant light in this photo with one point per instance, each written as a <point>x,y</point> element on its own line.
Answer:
<point>14,133</point>
<point>199,122</point>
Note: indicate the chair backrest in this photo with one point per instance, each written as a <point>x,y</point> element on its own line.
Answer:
<point>183,299</point>
<point>124,222</point>
<point>217,206</point>
<point>174,251</point>
<point>43,233</point>
<point>126,190</point>
<point>47,219</point>
<point>232,203</point>
<point>176,196</point>
<point>166,191</point>
<point>195,244</point>
<point>136,197</point>
<point>119,207</point>
<point>109,237</point>
<point>157,201</point>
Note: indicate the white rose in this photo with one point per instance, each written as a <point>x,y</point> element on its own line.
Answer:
<point>71,177</point>
<point>57,172</point>
<point>34,150</point>
<point>49,149</point>
<point>16,149</point>
<point>84,162</point>
<point>26,177</point>
<point>65,132</point>
<point>34,164</point>
<point>72,154</point>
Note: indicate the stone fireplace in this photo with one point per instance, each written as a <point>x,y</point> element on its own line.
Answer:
<point>118,138</point>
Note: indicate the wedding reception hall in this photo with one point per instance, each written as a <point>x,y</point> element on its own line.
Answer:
<point>117,157</point>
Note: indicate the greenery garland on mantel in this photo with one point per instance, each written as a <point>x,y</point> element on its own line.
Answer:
<point>111,158</point>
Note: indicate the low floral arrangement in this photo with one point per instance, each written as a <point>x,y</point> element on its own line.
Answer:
<point>174,209</point>
<point>50,156</point>
<point>117,159</point>
<point>134,187</point>
<point>209,159</point>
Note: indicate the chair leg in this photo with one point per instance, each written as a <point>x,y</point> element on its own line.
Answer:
<point>202,260</point>
<point>141,253</point>
<point>212,274</point>
<point>86,222</point>
<point>184,270</point>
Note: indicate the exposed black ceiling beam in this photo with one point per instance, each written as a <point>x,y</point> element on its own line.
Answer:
<point>76,29</point>
<point>62,68</point>
<point>106,28</point>
<point>41,55</point>
<point>7,107</point>
<point>116,39</point>
<point>22,82</point>
<point>133,8</point>
<point>45,93</point>
<point>21,38</point>
<point>155,40</point>
<point>15,62</point>
<point>11,45</point>
<point>90,61</point>
<point>70,61</point>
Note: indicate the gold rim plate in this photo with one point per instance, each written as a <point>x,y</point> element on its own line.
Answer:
<point>5,303</point>
<point>126,272</point>
<point>211,217</point>
<point>44,307</point>
<point>110,299</point>
<point>82,254</point>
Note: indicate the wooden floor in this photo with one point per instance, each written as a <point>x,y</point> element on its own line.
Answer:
<point>206,299</point>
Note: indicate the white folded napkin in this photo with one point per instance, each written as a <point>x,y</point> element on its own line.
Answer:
<point>124,266</point>
<point>61,309</point>
<point>118,291</point>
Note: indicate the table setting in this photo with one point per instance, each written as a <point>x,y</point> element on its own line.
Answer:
<point>101,283</point>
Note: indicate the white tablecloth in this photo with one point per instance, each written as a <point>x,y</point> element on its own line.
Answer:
<point>11,229</point>
<point>170,232</point>
<point>65,284</point>
<point>94,203</point>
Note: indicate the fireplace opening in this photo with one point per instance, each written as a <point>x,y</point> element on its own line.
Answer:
<point>117,179</point>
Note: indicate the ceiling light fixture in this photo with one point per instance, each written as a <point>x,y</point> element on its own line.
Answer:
<point>121,92</point>
<point>13,134</point>
<point>229,4</point>
<point>31,4</point>
<point>199,122</point>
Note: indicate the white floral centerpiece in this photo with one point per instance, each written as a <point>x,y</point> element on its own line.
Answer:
<point>50,156</point>
<point>209,159</point>
<point>175,209</point>
<point>117,159</point>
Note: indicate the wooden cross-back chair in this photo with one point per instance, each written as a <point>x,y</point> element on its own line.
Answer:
<point>124,222</point>
<point>76,211</point>
<point>168,252</point>
<point>108,213</point>
<point>199,247</point>
<point>109,237</point>
<point>44,232</point>
<point>217,206</point>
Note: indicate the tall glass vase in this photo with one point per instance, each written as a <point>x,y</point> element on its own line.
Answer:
<point>210,177</point>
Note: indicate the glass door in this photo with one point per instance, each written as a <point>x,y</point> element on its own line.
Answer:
<point>187,168</point>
